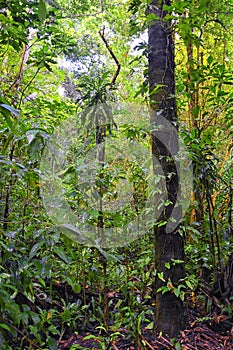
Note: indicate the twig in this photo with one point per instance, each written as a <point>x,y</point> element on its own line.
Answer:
<point>61,336</point>
<point>164,339</point>
<point>21,333</point>
<point>28,84</point>
<point>146,342</point>
<point>4,52</point>
<point>165,346</point>
<point>114,346</point>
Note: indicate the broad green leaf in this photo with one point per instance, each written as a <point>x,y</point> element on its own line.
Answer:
<point>52,342</point>
<point>13,110</point>
<point>62,255</point>
<point>189,284</point>
<point>35,249</point>
<point>42,11</point>
<point>8,119</point>
<point>77,288</point>
<point>35,317</point>
<point>210,59</point>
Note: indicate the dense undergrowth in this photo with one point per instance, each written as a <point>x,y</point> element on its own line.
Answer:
<point>53,289</point>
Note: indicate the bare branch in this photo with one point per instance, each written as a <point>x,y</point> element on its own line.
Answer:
<point>101,33</point>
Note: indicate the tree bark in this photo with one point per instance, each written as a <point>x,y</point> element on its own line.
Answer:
<point>170,311</point>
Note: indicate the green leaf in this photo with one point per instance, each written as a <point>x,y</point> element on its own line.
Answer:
<point>42,11</point>
<point>8,119</point>
<point>203,3</point>
<point>162,223</point>
<point>178,346</point>
<point>62,255</point>
<point>35,249</point>
<point>4,149</point>
<point>24,317</point>
<point>52,342</point>
<point>35,318</point>
<point>177,261</point>
<point>76,288</point>
<point>182,295</point>
<point>177,292</point>
<point>152,17</point>
<point>161,277</point>
<point>163,289</point>
<point>94,213</point>
<point>5,326</point>
<point>13,110</point>
<point>42,282</point>
<point>53,330</point>
<point>210,59</point>
<point>189,284</point>
<point>91,336</point>
<point>150,325</point>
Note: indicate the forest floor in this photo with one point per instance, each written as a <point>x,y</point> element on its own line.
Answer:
<point>213,331</point>
<point>198,336</point>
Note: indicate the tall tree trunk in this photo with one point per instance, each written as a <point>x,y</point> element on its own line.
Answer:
<point>194,123</point>
<point>170,311</point>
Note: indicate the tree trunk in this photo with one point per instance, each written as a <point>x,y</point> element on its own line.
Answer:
<point>170,311</point>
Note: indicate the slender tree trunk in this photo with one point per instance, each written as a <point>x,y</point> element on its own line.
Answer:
<point>170,311</point>
<point>194,123</point>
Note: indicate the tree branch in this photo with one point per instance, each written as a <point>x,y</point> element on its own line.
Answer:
<point>101,33</point>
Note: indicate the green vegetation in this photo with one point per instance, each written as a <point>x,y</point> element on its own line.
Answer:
<point>61,59</point>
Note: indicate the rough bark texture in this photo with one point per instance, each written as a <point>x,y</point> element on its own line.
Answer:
<point>170,311</point>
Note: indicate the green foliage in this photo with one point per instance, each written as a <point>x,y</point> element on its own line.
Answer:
<point>42,10</point>
<point>50,286</point>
